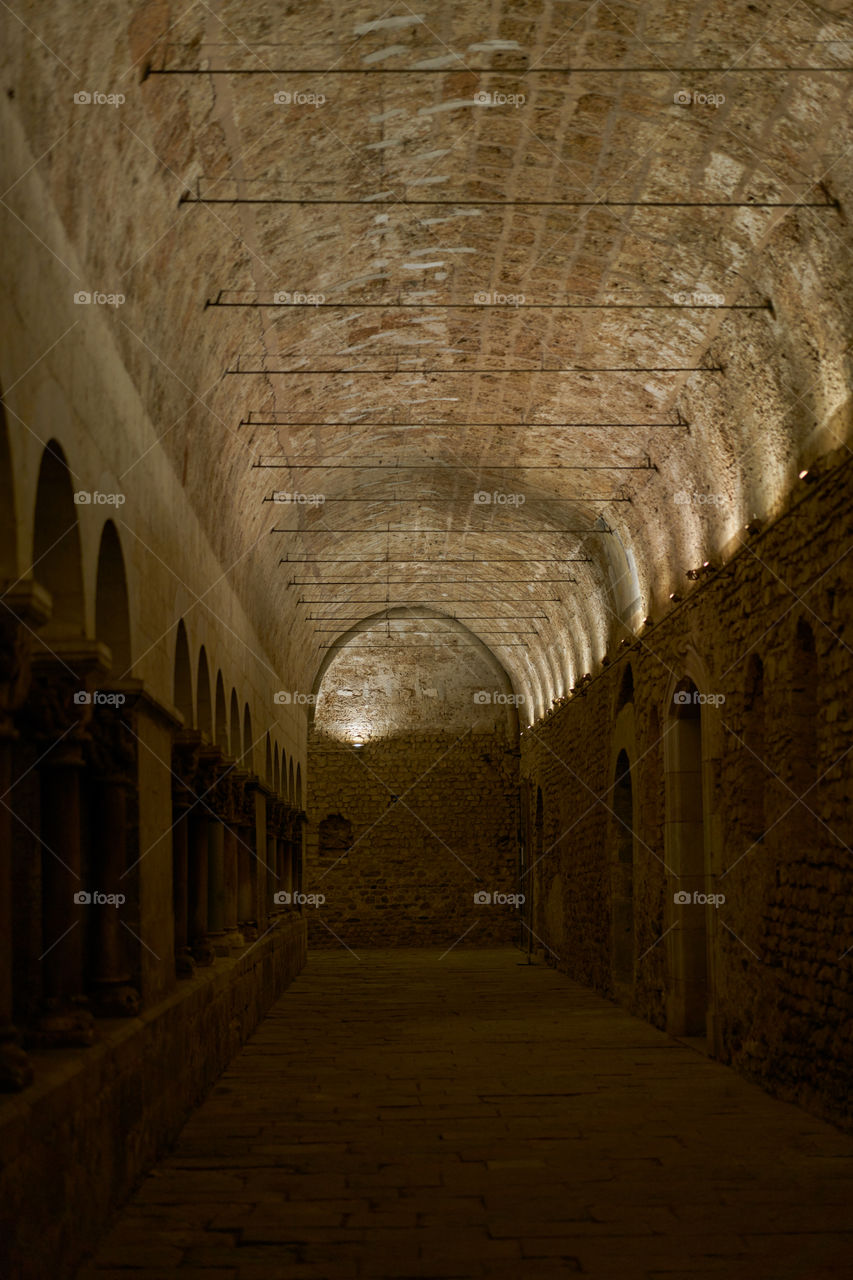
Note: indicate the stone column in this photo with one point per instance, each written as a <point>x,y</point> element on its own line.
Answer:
<point>184,965</point>
<point>216,886</point>
<point>197,892</point>
<point>24,604</point>
<point>233,936</point>
<point>114,758</point>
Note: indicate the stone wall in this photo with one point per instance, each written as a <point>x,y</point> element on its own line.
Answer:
<point>76,1143</point>
<point>403,832</point>
<point>756,664</point>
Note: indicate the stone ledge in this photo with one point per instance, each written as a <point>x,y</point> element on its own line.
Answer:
<point>76,1143</point>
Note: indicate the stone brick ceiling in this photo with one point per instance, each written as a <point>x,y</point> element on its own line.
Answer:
<point>772,380</point>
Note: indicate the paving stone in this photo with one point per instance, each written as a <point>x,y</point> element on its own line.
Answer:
<point>583,1142</point>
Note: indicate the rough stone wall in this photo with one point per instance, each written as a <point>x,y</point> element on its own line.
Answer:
<point>780,946</point>
<point>414,864</point>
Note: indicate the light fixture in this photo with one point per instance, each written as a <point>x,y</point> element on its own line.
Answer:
<point>625,643</point>
<point>753,528</point>
<point>694,574</point>
<point>675,597</point>
<point>708,567</point>
<point>648,622</point>
<point>358,742</point>
<point>809,475</point>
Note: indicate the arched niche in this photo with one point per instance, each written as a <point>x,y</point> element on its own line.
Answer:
<point>182,689</point>
<point>112,610</point>
<point>220,724</point>
<point>57,562</point>
<point>203,700</point>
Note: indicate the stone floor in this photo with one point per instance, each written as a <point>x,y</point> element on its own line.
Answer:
<point>402,1115</point>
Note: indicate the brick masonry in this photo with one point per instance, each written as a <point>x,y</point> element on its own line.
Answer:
<point>415,864</point>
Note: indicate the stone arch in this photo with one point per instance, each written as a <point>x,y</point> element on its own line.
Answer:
<point>203,700</point>
<point>57,557</point>
<point>220,715</point>
<point>182,686</point>
<point>112,609</point>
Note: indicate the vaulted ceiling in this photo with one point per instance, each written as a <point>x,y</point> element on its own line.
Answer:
<point>588,260</point>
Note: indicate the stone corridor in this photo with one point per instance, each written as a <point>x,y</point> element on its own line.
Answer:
<point>417,1114</point>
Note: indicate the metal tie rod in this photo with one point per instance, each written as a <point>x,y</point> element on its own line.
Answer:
<point>401,202</point>
<point>429,560</point>
<point>648,465</point>
<point>577,370</point>
<point>479,306</point>
<point>424,582</point>
<point>465,69</point>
